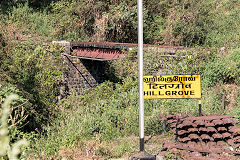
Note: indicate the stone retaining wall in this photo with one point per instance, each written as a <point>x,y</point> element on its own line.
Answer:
<point>80,75</point>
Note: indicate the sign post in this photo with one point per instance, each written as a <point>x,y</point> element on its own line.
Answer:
<point>199,107</point>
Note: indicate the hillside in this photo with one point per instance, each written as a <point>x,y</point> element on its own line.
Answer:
<point>103,122</point>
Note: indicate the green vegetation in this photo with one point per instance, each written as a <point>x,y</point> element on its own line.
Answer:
<point>104,122</point>
<point>187,23</point>
<point>10,150</point>
<point>27,70</point>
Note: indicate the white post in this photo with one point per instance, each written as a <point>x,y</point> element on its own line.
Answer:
<point>140,70</point>
<point>142,154</point>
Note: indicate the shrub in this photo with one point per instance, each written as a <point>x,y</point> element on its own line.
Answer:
<point>235,58</point>
<point>220,70</point>
<point>35,72</point>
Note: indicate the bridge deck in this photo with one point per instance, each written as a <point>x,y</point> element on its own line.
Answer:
<point>110,50</point>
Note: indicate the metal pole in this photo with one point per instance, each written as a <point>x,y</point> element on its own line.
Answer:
<point>199,107</point>
<point>140,69</point>
<point>142,155</point>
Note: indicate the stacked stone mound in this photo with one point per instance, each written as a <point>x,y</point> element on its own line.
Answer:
<point>172,121</point>
<point>214,136</point>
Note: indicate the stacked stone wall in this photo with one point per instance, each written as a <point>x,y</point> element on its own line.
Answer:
<point>81,74</point>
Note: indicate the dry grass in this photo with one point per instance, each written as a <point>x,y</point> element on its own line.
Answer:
<point>114,150</point>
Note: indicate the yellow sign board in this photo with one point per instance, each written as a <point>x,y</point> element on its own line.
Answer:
<point>172,86</point>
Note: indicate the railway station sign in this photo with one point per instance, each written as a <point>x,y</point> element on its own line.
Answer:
<point>172,86</point>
